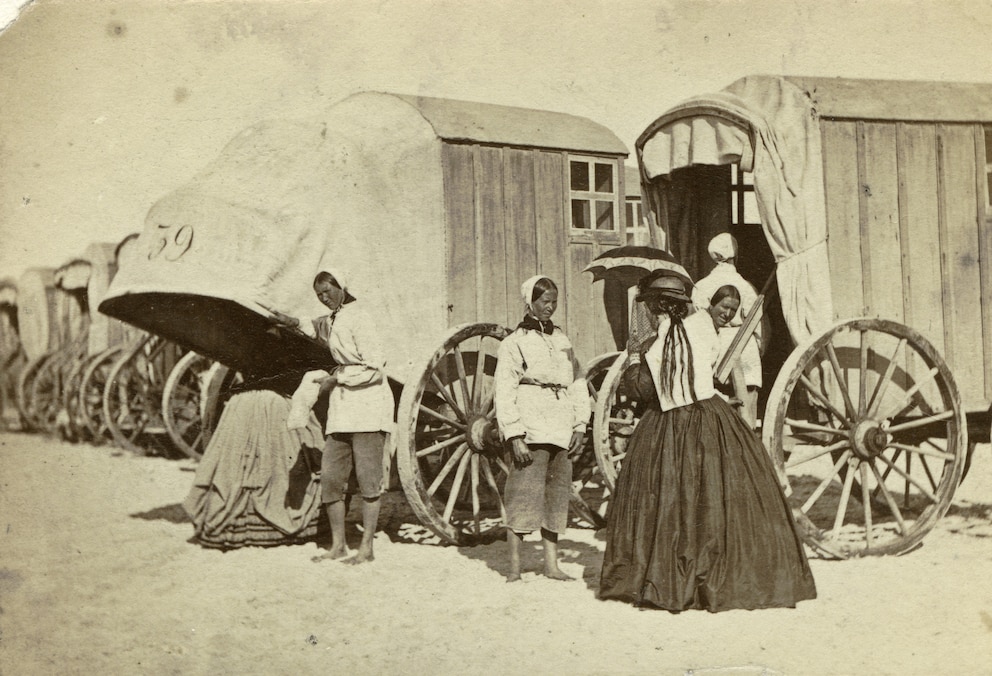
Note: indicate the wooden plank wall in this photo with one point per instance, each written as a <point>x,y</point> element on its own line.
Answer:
<point>961,276</point>
<point>840,176</point>
<point>904,224</point>
<point>507,215</point>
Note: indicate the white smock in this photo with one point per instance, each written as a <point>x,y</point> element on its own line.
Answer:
<point>362,400</point>
<point>540,389</point>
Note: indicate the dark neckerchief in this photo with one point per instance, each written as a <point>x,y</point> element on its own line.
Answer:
<point>535,324</point>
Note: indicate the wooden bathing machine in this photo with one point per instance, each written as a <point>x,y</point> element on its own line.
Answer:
<point>434,210</point>
<point>870,200</point>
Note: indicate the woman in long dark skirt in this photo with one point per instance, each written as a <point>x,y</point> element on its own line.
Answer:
<point>698,519</point>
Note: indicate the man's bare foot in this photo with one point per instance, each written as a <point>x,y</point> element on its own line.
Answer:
<point>513,577</point>
<point>362,557</point>
<point>557,574</point>
<point>332,554</point>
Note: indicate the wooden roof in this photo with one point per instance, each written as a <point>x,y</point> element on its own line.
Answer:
<point>470,121</point>
<point>906,100</point>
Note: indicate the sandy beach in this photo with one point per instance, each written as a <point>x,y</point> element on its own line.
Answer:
<point>97,575</point>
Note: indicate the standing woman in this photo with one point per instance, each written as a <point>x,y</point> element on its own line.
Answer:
<point>542,407</point>
<point>697,519</point>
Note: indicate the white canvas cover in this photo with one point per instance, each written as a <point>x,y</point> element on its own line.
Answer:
<point>767,125</point>
<point>103,331</point>
<point>36,311</point>
<point>358,189</point>
<point>8,292</point>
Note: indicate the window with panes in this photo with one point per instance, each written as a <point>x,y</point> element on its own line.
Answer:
<point>593,194</point>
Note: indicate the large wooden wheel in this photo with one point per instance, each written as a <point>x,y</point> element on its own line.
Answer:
<point>46,394</point>
<point>590,493</point>
<point>615,414</point>
<point>449,456</point>
<point>76,428</point>
<point>867,432</point>
<point>25,383</point>
<point>182,404</point>
<point>219,383</point>
<point>132,398</point>
<point>94,382</point>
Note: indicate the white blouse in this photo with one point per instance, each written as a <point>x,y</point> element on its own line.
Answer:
<point>362,401</point>
<point>702,337</point>
<point>540,389</point>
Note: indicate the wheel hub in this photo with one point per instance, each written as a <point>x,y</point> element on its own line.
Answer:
<point>869,438</point>
<point>483,436</point>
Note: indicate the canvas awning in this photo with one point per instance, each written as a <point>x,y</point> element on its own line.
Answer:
<point>767,126</point>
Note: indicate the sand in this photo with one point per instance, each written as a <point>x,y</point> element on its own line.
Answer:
<point>97,575</point>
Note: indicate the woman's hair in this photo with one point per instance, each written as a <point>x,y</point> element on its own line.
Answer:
<point>541,287</point>
<point>725,291</point>
<point>671,354</point>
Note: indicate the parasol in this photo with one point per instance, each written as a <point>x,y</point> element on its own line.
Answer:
<point>627,264</point>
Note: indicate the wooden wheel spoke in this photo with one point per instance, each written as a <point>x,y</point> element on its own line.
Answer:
<point>456,485</point>
<point>888,470</point>
<point>889,499</point>
<point>474,470</point>
<point>446,469</point>
<point>815,495</point>
<point>920,422</point>
<point>908,477</point>
<point>443,391</point>
<point>441,445</point>
<point>479,379</point>
<point>883,383</point>
<point>443,418</point>
<point>866,503</point>
<point>462,376</point>
<point>812,427</point>
<point>617,457</point>
<point>909,448</point>
<point>841,380</point>
<point>845,496</point>
<point>908,395</point>
<point>502,466</point>
<point>926,470</point>
<point>491,480</point>
<point>812,390</point>
<point>799,458</point>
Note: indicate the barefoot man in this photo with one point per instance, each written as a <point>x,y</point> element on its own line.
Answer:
<point>360,410</point>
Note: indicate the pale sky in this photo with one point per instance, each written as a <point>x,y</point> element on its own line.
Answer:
<point>105,106</point>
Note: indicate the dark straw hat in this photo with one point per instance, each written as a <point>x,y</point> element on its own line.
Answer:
<point>667,286</point>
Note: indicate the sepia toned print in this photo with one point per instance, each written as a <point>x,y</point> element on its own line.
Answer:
<point>174,175</point>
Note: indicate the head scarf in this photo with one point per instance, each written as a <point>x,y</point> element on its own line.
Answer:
<point>530,321</point>
<point>723,247</point>
<point>340,279</point>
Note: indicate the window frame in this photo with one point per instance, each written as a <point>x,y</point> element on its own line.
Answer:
<point>617,234</point>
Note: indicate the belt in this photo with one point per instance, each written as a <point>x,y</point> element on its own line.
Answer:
<point>554,387</point>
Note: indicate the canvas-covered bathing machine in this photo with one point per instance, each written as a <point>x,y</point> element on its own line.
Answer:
<point>869,203</point>
<point>434,211</point>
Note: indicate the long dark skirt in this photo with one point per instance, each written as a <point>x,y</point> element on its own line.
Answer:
<point>698,519</point>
